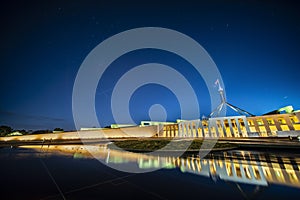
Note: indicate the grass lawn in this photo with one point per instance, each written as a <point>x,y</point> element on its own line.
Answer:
<point>155,144</point>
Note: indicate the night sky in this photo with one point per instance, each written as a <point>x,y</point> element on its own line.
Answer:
<point>255,45</point>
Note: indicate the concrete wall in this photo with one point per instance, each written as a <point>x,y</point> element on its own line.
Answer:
<point>148,131</point>
<point>288,133</point>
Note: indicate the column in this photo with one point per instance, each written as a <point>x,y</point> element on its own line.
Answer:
<point>277,124</point>
<point>161,130</point>
<point>242,170</point>
<point>233,168</point>
<point>185,130</point>
<point>179,129</point>
<point>266,124</point>
<point>168,131</point>
<point>298,115</point>
<point>238,126</point>
<point>173,129</point>
<point>256,125</point>
<point>191,129</point>
<point>164,131</point>
<point>224,128</point>
<point>197,127</point>
<point>204,133</point>
<point>201,127</point>
<point>251,170</point>
<point>216,128</point>
<point>209,131</point>
<point>246,125</point>
<point>231,129</point>
<point>289,123</point>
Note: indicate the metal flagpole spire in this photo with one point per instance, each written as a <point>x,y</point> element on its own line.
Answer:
<point>223,103</point>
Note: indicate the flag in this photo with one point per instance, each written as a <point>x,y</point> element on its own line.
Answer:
<point>217,82</point>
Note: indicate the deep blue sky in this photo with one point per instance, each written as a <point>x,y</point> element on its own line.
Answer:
<point>255,45</point>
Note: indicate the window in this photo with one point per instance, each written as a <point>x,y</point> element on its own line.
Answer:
<point>260,122</point>
<point>281,121</point>
<point>238,171</point>
<point>247,172</point>
<point>256,173</point>
<point>250,122</point>
<point>294,120</point>
<point>270,121</point>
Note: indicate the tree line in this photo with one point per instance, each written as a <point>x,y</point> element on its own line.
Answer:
<point>6,130</point>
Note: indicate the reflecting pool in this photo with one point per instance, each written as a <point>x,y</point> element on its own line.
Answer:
<point>71,172</point>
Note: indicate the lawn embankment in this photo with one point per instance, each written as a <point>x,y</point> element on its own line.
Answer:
<point>147,145</point>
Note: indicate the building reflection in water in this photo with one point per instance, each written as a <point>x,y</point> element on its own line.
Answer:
<point>247,167</point>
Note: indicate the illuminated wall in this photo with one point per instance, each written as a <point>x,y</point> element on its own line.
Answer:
<point>235,126</point>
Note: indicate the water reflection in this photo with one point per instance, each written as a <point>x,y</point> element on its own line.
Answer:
<point>256,168</point>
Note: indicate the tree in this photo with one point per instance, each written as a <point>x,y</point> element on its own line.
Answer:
<point>41,132</point>
<point>23,131</point>
<point>58,129</point>
<point>4,130</point>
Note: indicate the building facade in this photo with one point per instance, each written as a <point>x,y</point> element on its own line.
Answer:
<point>234,126</point>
